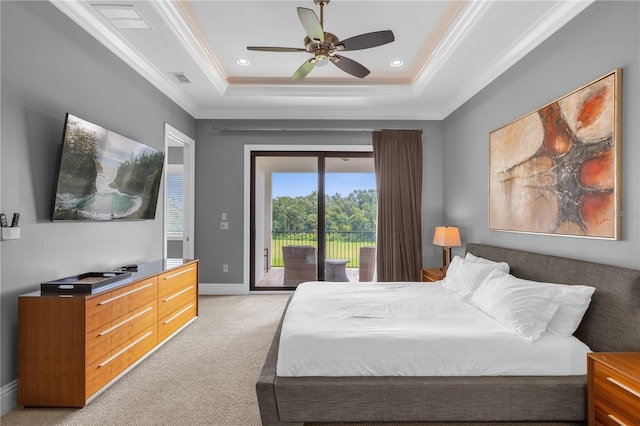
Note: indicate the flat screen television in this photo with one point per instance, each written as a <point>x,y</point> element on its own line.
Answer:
<point>105,176</point>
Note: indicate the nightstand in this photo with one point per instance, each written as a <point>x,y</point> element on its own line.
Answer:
<point>613,384</point>
<point>431,275</point>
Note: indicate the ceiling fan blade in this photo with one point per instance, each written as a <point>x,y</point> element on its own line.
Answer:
<point>365,41</point>
<point>350,66</point>
<point>311,24</point>
<point>304,69</point>
<point>275,49</point>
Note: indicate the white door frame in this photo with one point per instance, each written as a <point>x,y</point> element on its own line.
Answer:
<point>174,137</point>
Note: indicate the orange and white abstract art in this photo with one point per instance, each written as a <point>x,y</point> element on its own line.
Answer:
<point>557,169</point>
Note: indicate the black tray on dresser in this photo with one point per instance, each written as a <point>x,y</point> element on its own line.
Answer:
<point>85,283</point>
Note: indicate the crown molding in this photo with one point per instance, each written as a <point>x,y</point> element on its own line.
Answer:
<point>82,14</point>
<point>451,41</point>
<point>539,31</point>
<point>318,91</point>
<point>189,35</point>
<point>320,112</point>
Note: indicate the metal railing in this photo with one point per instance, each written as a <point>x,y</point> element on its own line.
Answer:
<point>339,244</point>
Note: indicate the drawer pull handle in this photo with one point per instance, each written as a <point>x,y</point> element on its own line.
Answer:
<point>620,422</point>
<point>623,386</point>
<point>178,293</point>
<point>107,361</point>
<point>109,330</point>
<point>178,273</point>
<point>178,314</point>
<point>104,302</point>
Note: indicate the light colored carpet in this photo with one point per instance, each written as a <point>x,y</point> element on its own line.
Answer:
<point>205,375</point>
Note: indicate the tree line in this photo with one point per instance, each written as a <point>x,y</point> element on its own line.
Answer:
<point>355,212</point>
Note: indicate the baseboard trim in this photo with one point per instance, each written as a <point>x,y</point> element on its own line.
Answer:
<point>8,397</point>
<point>222,289</point>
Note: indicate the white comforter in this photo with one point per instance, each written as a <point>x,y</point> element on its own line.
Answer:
<point>409,329</point>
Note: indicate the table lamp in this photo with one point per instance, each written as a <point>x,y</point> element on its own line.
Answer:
<point>447,237</point>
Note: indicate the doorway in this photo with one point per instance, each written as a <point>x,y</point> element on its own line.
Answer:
<point>179,194</point>
<point>311,212</point>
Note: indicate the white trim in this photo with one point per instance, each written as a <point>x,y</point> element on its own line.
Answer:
<point>82,14</point>
<point>222,289</point>
<point>469,17</point>
<point>539,31</point>
<point>172,137</point>
<point>248,149</point>
<point>195,44</point>
<point>8,397</point>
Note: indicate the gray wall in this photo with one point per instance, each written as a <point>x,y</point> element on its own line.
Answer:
<point>51,66</point>
<point>603,37</point>
<point>220,182</point>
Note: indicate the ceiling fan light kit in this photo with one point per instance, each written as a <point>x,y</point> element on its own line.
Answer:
<point>323,45</point>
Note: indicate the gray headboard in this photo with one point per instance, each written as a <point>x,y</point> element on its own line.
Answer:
<point>612,322</point>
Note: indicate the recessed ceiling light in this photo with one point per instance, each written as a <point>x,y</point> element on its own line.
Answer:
<point>243,62</point>
<point>397,63</point>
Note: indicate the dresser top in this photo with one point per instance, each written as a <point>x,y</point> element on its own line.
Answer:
<point>143,271</point>
<point>625,362</point>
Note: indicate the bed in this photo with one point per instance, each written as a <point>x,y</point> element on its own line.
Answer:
<point>611,323</point>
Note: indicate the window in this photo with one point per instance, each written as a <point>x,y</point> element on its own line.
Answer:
<point>175,201</point>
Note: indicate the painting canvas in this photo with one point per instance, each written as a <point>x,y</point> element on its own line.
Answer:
<point>557,170</point>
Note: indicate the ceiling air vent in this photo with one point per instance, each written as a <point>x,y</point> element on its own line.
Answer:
<point>124,17</point>
<point>180,77</point>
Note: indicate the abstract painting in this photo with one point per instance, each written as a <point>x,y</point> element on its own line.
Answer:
<point>557,170</point>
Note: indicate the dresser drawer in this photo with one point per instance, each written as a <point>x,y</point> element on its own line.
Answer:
<point>173,301</point>
<point>618,392</point>
<point>118,331</point>
<point>177,279</point>
<point>607,416</point>
<point>169,325</point>
<point>119,359</point>
<point>107,307</point>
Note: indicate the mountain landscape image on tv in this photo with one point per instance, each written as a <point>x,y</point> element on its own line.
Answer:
<point>105,176</point>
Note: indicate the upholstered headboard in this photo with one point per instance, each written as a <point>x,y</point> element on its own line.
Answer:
<point>612,322</point>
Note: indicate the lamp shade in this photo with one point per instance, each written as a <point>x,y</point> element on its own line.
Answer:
<point>447,236</point>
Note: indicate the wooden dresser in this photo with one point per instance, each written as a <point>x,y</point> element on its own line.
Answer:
<point>613,383</point>
<point>72,347</point>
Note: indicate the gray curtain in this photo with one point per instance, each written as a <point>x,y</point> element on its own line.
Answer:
<point>397,155</point>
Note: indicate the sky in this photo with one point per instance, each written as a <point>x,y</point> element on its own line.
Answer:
<point>302,184</point>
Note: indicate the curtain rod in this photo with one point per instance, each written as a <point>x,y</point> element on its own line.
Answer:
<point>280,129</point>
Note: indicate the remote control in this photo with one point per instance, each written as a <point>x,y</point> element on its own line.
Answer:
<point>3,220</point>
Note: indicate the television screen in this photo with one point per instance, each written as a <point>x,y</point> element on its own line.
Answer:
<point>105,176</point>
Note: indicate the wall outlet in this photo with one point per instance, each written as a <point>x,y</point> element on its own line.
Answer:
<point>225,268</point>
<point>224,225</point>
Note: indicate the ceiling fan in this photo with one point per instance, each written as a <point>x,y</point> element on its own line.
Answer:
<point>323,45</point>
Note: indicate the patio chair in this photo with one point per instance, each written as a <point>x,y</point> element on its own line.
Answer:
<point>300,264</point>
<point>367,263</point>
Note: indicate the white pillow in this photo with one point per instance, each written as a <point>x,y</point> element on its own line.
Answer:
<point>524,306</point>
<point>574,304</point>
<point>464,276</point>
<point>478,259</point>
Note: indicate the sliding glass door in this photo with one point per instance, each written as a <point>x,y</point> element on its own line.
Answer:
<point>294,195</point>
